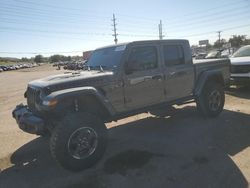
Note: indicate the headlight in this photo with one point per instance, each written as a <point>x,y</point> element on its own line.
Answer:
<point>50,103</point>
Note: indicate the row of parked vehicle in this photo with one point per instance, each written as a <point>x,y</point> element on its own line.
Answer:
<point>70,65</point>
<point>214,54</point>
<point>79,65</point>
<point>240,63</point>
<point>17,66</point>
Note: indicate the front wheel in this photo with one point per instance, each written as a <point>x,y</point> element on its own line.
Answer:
<point>211,100</point>
<point>79,141</point>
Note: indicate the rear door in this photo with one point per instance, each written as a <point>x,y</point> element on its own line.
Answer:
<point>179,73</point>
<point>144,85</point>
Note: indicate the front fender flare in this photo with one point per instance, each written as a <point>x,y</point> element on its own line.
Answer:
<point>78,92</point>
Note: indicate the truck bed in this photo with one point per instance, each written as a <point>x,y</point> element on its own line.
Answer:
<point>222,65</point>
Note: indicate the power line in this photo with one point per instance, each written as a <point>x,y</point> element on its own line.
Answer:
<point>69,33</point>
<point>58,11</point>
<point>106,34</point>
<point>41,17</point>
<point>62,52</point>
<point>50,35</point>
<point>226,4</point>
<point>146,19</point>
<point>212,18</point>
<point>44,12</point>
<point>57,32</point>
<point>133,35</point>
<point>136,35</point>
<point>56,24</point>
<point>37,15</point>
<point>55,6</point>
<point>222,6</point>
<point>86,19</point>
<point>213,23</point>
<point>190,25</point>
<point>170,29</point>
<point>56,52</point>
<point>224,29</point>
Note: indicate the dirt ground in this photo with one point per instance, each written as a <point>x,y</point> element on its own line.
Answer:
<point>182,150</point>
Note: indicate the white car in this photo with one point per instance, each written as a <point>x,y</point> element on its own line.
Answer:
<point>240,67</point>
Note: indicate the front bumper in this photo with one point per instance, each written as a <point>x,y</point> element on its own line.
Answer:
<point>27,121</point>
<point>240,81</point>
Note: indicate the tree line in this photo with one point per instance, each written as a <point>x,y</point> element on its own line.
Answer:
<point>52,59</point>
<point>236,41</point>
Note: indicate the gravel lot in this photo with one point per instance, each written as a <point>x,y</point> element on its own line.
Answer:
<point>182,150</point>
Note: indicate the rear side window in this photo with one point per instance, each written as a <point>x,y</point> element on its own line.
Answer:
<point>143,58</point>
<point>173,55</point>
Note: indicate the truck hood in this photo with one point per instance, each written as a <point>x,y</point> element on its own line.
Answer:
<point>240,60</point>
<point>73,79</point>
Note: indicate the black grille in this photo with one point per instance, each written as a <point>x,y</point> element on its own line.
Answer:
<point>32,98</point>
<point>240,68</point>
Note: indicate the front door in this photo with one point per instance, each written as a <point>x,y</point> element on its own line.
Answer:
<point>143,80</point>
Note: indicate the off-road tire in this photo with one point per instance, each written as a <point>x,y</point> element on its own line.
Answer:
<point>211,101</point>
<point>62,134</point>
<point>44,134</point>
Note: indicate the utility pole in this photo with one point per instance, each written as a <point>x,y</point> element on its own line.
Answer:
<point>114,28</point>
<point>219,32</point>
<point>160,30</point>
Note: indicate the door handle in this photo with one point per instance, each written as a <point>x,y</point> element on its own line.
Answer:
<point>147,78</point>
<point>157,77</point>
<point>172,73</point>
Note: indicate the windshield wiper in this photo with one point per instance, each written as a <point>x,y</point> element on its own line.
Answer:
<point>100,68</point>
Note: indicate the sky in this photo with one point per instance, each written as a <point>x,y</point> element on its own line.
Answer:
<point>48,27</point>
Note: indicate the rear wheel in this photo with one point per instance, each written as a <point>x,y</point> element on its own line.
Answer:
<point>211,101</point>
<point>79,141</point>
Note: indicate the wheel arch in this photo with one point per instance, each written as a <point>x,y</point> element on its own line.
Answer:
<point>87,99</point>
<point>206,77</point>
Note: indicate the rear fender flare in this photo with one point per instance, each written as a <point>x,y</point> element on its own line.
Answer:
<point>214,75</point>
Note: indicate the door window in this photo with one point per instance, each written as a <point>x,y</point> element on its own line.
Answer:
<point>142,58</point>
<point>173,55</point>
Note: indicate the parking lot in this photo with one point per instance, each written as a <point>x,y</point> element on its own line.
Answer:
<point>181,150</point>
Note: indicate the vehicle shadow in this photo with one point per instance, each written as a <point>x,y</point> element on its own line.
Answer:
<point>242,92</point>
<point>183,150</point>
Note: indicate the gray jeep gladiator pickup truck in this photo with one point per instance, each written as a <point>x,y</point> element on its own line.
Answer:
<point>119,81</point>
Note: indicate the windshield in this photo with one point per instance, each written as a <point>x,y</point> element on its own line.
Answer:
<point>242,52</point>
<point>106,58</point>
